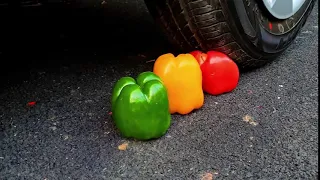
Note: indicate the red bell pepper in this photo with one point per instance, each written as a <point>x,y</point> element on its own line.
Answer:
<point>219,73</point>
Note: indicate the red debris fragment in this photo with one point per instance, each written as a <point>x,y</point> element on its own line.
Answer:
<point>110,113</point>
<point>270,26</point>
<point>32,103</point>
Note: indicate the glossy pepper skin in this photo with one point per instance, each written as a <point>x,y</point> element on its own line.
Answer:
<point>219,73</point>
<point>182,77</point>
<point>140,108</point>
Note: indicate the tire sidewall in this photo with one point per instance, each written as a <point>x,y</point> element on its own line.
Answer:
<point>244,16</point>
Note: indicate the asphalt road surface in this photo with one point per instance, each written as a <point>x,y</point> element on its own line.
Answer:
<point>68,133</point>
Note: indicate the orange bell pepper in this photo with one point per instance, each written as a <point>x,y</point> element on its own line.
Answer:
<point>182,77</point>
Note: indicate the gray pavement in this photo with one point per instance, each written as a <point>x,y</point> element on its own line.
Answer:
<point>69,133</point>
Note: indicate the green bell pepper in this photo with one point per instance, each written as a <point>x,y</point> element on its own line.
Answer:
<point>140,109</point>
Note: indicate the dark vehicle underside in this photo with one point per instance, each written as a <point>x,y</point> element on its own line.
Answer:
<point>251,32</point>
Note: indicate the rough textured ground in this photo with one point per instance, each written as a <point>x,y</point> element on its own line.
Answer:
<point>69,134</point>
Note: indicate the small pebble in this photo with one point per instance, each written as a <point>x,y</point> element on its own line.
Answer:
<point>123,146</point>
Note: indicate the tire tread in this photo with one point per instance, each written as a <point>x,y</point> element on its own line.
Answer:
<point>196,24</point>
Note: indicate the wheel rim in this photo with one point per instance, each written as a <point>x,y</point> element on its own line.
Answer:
<point>283,9</point>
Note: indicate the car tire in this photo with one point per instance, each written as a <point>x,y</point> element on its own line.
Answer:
<point>242,29</point>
